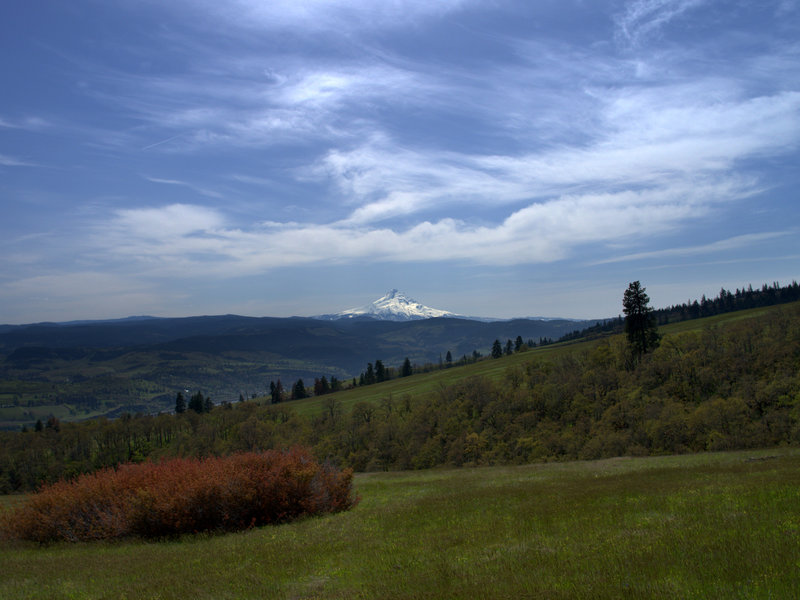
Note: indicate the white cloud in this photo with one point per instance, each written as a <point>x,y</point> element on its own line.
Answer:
<point>27,123</point>
<point>231,105</point>
<point>644,18</point>
<point>338,16</point>
<point>198,189</point>
<point>650,138</point>
<point>11,161</point>
<point>166,223</point>
<point>733,243</point>
<point>186,240</point>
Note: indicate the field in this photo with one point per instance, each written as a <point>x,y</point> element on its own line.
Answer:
<point>724,525</point>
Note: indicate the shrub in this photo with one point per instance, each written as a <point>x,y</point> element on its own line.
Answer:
<point>182,496</point>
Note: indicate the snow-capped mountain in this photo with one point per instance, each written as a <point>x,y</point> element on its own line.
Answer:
<point>394,306</point>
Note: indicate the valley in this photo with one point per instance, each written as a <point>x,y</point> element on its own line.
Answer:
<point>86,370</point>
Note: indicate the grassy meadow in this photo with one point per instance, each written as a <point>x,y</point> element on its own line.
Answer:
<point>721,525</point>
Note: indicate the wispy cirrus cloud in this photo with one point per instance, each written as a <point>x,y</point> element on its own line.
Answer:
<point>647,140</point>
<point>337,16</point>
<point>12,161</point>
<point>260,106</point>
<point>644,18</point>
<point>30,123</point>
<point>733,243</point>
<point>186,184</point>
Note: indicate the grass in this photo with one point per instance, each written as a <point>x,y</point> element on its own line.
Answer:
<point>712,525</point>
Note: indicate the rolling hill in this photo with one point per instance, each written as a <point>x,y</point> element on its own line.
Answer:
<point>86,369</point>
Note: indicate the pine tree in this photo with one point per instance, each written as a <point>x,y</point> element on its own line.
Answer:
<point>180,404</point>
<point>497,349</point>
<point>276,391</point>
<point>196,402</point>
<point>406,369</point>
<point>449,359</point>
<point>369,377</point>
<point>640,325</point>
<point>299,390</point>
<point>380,371</point>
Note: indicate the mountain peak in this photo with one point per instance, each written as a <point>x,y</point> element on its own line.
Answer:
<point>394,306</point>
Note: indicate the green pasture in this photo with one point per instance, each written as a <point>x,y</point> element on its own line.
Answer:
<point>701,526</point>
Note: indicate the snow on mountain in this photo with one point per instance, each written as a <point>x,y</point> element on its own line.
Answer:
<point>394,306</point>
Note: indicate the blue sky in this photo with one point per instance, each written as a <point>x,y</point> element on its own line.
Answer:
<point>498,158</point>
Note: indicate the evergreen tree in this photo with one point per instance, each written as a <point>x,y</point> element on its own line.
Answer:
<point>518,343</point>
<point>299,390</point>
<point>449,359</point>
<point>369,376</point>
<point>180,404</point>
<point>640,325</point>
<point>509,348</point>
<point>497,349</point>
<point>406,369</point>
<point>380,371</point>
<point>276,391</point>
<point>196,402</point>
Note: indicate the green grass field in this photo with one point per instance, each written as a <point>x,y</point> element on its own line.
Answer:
<point>697,526</point>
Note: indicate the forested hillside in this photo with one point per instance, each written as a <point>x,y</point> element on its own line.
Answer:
<point>725,383</point>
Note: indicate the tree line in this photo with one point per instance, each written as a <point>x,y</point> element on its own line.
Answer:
<point>726,302</point>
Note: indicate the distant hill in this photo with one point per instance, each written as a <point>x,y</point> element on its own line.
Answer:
<point>347,344</point>
<point>138,365</point>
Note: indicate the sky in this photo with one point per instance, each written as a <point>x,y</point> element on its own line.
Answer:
<point>498,158</point>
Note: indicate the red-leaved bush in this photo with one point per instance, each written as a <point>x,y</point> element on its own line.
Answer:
<point>182,496</point>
